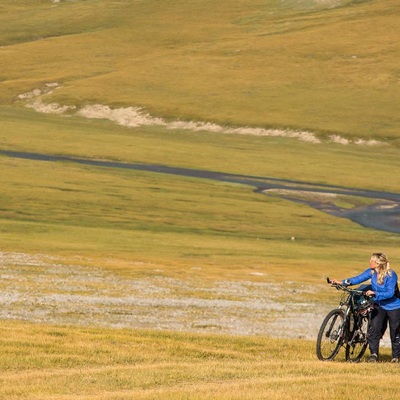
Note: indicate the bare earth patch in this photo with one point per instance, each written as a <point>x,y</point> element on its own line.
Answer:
<point>39,289</point>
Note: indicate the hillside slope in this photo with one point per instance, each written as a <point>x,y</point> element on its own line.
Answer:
<point>328,66</point>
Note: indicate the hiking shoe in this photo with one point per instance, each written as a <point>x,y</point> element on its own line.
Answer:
<point>373,358</point>
<point>395,360</point>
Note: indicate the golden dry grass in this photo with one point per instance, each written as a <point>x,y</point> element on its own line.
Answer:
<point>275,64</point>
<point>53,362</point>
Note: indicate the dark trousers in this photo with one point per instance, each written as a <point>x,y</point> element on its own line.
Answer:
<point>378,321</point>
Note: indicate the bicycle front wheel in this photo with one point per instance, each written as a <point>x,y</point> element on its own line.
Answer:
<point>358,343</point>
<point>330,336</point>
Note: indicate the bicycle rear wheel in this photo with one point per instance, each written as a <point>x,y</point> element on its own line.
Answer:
<point>330,336</point>
<point>356,346</point>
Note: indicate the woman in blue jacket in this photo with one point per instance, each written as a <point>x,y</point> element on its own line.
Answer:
<point>386,303</point>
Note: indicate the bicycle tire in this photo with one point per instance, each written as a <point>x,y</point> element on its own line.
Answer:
<point>331,335</point>
<point>358,342</point>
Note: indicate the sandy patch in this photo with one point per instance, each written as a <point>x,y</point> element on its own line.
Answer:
<point>305,194</point>
<point>48,88</point>
<point>134,117</point>
<point>49,108</point>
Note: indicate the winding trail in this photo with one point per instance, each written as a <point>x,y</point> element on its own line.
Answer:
<point>383,215</point>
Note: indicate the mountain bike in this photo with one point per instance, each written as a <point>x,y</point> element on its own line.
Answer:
<point>346,326</point>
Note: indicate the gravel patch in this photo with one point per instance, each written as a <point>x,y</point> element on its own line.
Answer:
<point>38,289</point>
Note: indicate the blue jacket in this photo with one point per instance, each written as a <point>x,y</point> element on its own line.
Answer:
<point>385,293</point>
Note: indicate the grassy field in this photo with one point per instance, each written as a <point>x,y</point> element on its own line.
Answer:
<point>55,362</point>
<point>70,209</point>
<point>305,64</point>
<point>328,67</point>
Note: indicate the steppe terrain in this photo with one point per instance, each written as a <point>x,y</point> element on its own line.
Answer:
<point>178,179</point>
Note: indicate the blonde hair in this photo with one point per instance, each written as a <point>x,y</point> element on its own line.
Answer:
<point>383,266</point>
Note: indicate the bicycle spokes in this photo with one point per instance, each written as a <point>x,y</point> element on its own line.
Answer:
<point>345,326</point>
<point>330,336</point>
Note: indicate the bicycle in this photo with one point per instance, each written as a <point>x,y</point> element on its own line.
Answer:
<point>346,326</point>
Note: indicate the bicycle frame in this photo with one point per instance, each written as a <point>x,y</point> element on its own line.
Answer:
<point>345,326</point>
<point>348,307</point>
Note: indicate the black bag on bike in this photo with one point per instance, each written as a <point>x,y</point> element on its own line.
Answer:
<point>397,291</point>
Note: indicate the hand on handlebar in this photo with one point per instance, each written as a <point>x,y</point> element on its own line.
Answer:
<point>336,282</point>
<point>370,293</point>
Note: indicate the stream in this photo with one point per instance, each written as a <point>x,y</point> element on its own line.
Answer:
<point>381,213</point>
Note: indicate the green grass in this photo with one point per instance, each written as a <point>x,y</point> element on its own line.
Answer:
<point>55,362</point>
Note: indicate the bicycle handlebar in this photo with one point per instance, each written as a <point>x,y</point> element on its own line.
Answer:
<point>340,286</point>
